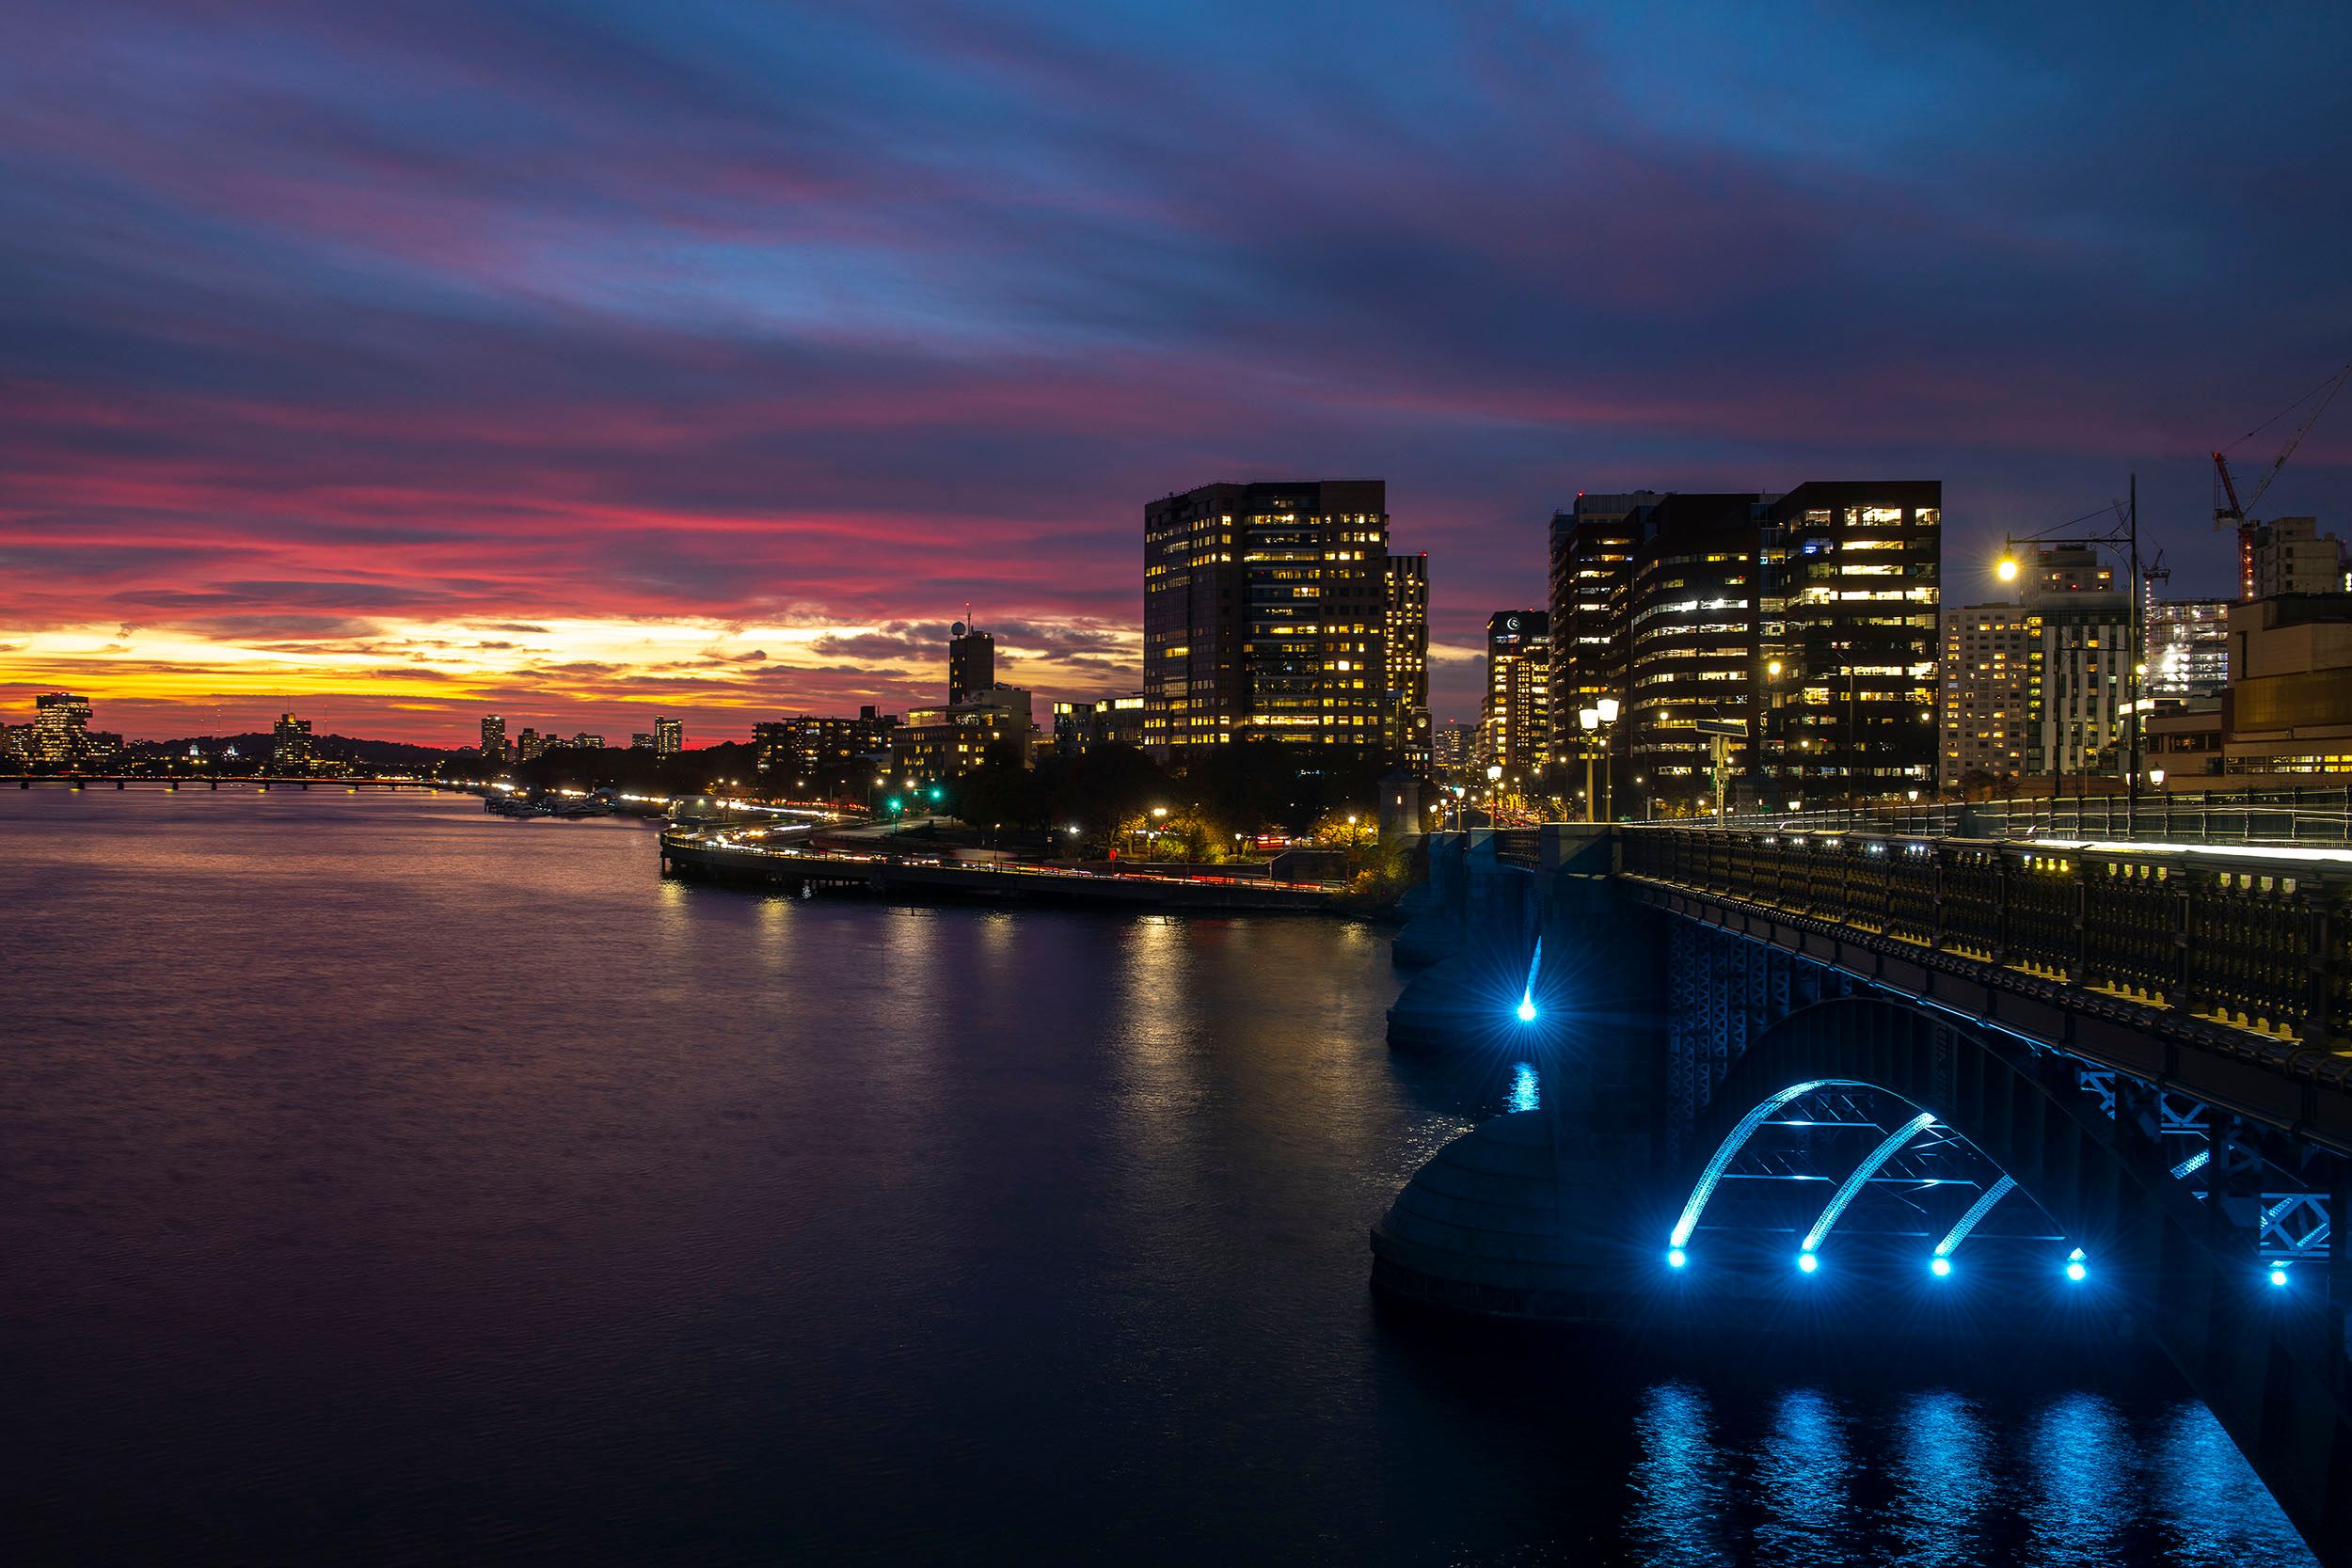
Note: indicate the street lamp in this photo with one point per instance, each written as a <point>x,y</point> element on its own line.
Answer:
<point>1595,721</point>
<point>2006,568</point>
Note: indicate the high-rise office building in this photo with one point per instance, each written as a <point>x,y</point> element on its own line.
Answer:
<point>1406,647</point>
<point>1990,718</point>
<point>1592,574</point>
<point>1450,749</point>
<point>590,742</point>
<point>1517,717</point>
<point>2189,649</point>
<point>971,662</point>
<point>2086,637</point>
<point>1850,585</point>
<point>669,737</point>
<point>530,744</point>
<point>60,728</point>
<point>2041,685</point>
<point>290,744</point>
<point>493,738</point>
<point>1265,615</point>
<point>1691,641</point>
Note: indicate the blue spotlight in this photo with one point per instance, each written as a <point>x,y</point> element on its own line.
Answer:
<point>2277,1273</point>
<point>1527,995</point>
<point>1807,1262</point>
<point>2076,1269</point>
<point>1675,1257</point>
<point>1941,1267</point>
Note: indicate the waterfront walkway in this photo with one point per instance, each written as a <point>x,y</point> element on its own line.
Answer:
<point>728,854</point>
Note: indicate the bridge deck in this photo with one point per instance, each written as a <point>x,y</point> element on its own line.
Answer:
<point>2226,974</point>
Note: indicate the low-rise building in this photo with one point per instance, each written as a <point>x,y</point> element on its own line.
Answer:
<point>1080,726</point>
<point>945,741</point>
<point>2183,741</point>
<point>795,750</point>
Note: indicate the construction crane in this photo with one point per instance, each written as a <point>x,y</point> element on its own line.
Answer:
<point>2228,509</point>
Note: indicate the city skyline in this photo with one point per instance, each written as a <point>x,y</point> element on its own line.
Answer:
<point>330,395</point>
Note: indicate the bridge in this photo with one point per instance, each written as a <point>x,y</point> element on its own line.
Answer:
<point>1827,1079</point>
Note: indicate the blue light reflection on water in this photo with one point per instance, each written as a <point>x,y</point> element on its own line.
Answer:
<point>1526,1090</point>
<point>1803,1471</point>
<point>1937,1478</point>
<point>1942,1462</point>
<point>1676,1515</point>
<point>2207,1503</point>
<point>2079,1485</point>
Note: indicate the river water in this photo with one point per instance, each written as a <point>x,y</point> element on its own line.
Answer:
<point>385,1182</point>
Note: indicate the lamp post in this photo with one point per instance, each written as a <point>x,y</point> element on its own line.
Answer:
<point>1596,721</point>
<point>1494,790</point>
<point>1590,719</point>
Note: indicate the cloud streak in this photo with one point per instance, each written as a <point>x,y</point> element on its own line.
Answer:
<point>337,345</point>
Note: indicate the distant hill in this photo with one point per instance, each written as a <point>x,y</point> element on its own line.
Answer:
<point>259,744</point>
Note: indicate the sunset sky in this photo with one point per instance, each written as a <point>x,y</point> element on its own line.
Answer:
<point>395,363</point>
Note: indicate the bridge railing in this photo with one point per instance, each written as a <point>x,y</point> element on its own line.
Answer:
<point>2258,940</point>
<point>2307,816</point>
<point>1519,847</point>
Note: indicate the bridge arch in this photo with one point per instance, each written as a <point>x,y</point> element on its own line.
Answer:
<point>2017,1109</point>
<point>2268,1376</point>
